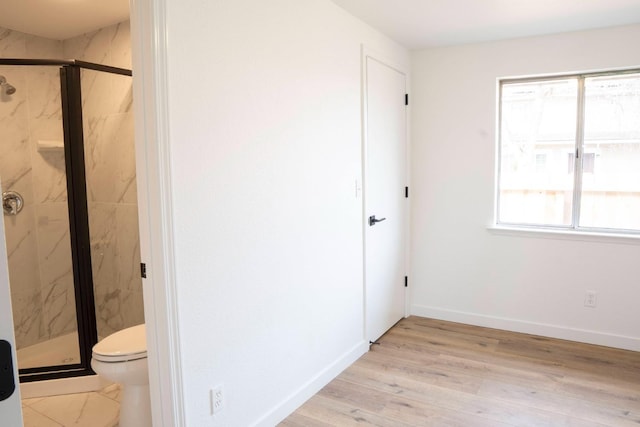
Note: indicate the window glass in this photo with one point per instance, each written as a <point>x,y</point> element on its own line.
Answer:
<point>611,176</point>
<point>538,129</point>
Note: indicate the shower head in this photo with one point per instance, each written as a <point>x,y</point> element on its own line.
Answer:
<point>6,87</point>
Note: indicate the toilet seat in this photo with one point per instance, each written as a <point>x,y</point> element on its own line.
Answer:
<point>122,346</point>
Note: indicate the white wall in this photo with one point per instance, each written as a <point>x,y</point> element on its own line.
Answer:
<point>460,270</point>
<point>265,130</point>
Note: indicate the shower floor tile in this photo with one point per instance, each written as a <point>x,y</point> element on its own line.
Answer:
<point>33,418</point>
<point>94,409</point>
<point>62,350</point>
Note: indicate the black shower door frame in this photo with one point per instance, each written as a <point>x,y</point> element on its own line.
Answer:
<point>72,123</point>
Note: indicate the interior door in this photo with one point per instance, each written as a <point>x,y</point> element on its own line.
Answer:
<point>385,198</point>
<point>10,405</point>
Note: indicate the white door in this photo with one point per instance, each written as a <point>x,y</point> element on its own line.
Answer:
<point>10,408</point>
<point>385,181</point>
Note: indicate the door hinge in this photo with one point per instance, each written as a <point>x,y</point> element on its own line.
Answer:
<point>406,192</point>
<point>406,281</point>
<point>406,99</point>
<point>143,270</point>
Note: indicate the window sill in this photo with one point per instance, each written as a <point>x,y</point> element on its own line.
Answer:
<point>548,233</point>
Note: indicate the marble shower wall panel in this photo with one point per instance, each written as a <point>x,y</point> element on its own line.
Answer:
<point>26,294</point>
<point>104,93</point>
<point>15,162</point>
<point>110,159</point>
<point>103,231</point>
<point>50,198</point>
<point>45,122</point>
<point>109,46</point>
<point>33,113</point>
<point>56,270</point>
<point>16,175</point>
<point>128,263</point>
<point>111,188</point>
<point>13,44</point>
<point>111,178</point>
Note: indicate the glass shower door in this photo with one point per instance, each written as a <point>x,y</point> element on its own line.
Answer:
<point>36,218</point>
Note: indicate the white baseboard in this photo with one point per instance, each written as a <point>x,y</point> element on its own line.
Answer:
<point>542,329</point>
<point>304,393</point>
<point>62,386</point>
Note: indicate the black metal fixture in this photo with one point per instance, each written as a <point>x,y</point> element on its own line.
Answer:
<point>373,220</point>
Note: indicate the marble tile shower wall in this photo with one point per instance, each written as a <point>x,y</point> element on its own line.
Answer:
<point>38,238</point>
<point>111,177</point>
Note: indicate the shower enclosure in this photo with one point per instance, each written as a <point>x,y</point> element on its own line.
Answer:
<point>67,171</point>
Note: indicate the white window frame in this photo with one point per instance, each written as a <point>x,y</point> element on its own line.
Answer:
<point>574,228</point>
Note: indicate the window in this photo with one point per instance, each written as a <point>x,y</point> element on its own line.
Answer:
<point>569,152</point>
<point>541,162</point>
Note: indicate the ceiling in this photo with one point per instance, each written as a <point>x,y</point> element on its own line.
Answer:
<point>61,19</point>
<point>415,24</point>
<point>418,24</point>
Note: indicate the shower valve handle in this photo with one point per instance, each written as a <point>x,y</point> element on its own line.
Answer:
<point>12,202</point>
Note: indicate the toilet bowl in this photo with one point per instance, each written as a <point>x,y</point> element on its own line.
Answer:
<point>122,358</point>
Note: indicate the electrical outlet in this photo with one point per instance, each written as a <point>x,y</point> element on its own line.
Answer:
<point>590,299</point>
<point>216,397</point>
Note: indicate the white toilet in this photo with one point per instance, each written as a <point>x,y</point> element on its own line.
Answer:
<point>122,358</point>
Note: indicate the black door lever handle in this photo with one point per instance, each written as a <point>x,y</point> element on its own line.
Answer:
<point>373,220</point>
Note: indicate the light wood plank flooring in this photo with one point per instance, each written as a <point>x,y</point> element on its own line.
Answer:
<point>428,372</point>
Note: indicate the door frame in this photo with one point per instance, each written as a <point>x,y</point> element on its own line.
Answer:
<point>402,67</point>
<point>13,404</point>
<point>149,45</point>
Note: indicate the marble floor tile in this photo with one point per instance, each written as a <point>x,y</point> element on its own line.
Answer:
<point>32,418</point>
<point>112,392</point>
<point>79,410</point>
<point>29,402</point>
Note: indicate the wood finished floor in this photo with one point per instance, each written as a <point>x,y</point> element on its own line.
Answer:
<point>428,372</point>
